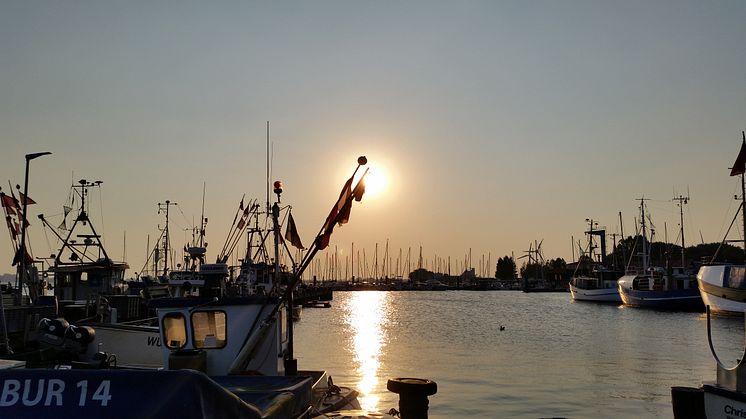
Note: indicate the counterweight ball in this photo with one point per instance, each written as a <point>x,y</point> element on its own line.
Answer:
<point>362,160</point>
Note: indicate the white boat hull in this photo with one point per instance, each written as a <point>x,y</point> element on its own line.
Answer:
<point>720,406</point>
<point>603,295</point>
<point>715,286</point>
<point>719,305</point>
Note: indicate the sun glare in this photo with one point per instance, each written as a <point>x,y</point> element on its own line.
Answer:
<point>376,182</point>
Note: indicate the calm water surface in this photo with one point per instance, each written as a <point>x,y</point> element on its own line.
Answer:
<point>555,358</point>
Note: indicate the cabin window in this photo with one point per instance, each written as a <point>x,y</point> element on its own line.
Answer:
<point>174,330</point>
<point>209,329</point>
<point>737,277</point>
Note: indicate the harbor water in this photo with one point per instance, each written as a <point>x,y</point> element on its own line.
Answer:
<point>553,358</point>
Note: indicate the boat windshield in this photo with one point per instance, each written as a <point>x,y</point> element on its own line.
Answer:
<point>209,329</point>
<point>174,330</point>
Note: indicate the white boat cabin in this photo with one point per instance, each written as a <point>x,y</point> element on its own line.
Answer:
<point>222,337</point>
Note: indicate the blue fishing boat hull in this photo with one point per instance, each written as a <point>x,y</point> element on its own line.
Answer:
<point>675,300</point>
<point>42,393</point>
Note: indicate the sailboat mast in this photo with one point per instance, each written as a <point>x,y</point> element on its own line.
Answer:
<point>743,202</point>
<point>644,235</point>
<point>268,166</point>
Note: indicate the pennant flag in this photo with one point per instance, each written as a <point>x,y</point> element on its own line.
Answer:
<point>340,213</point>
<point>12,227</point>
<point>346,190</point>
<point>17,257</point>
<point>359,190</point>
<point>241,223</point>
<point>240,206</point>
<point>7,202</point>
<point>291,233</point>
<point>739,167</point>
<point>29,201</point>
<point>344,214</point>
<point>66,209</point>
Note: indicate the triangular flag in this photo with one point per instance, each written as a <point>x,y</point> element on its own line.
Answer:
<point>291,233</point>
<point>359,190</point>
<point>7,202</point>
<point>29,201</point>
<point>66,209</point>
<point>739,167</point>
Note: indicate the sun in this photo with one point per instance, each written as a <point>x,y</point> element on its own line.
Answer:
<point>376,182</point>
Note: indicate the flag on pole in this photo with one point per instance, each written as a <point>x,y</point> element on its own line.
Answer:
<point>739,167</point>
<point>340,213</point>
<point>9,203</point>
<point>291,233</point>
<point>21,197</point>
<point>343,197</point>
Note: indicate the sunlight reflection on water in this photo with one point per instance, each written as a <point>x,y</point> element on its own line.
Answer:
<point>366,316</point>
<point>554,358</point>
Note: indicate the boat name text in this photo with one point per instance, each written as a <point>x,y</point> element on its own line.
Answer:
<point>51,392</point>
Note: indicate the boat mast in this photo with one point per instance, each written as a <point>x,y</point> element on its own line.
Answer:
<point>164,207</point>
<point>682,201</point>
<point>743,202</point>
<point>644,235</point>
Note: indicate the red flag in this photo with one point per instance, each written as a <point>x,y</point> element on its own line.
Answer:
<point>344,214</point>
<point>29,201</point>
<point>359,189</point>
<point>9,203</point>
<point>291,233</point>
<point>332,218</point>
<point>241,223</point>
<point>340,213</point>
<point>739,167</point>
<point>17,257</point>
<point>12,227</point>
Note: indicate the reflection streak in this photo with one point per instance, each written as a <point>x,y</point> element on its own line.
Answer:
<point>366,316</point>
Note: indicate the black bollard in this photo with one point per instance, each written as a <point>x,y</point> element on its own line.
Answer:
<point>688,403</point>
<point>413,393</point>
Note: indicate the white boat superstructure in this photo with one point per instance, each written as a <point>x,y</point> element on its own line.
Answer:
<point>585,288</point>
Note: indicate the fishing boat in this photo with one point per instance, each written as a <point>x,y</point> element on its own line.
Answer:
<point>670,288</point>
<point>86,282</point>
<point>600,284</point>
<point>723,286</point>
<point>239,350</point>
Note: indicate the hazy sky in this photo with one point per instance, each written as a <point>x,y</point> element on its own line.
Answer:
<point>497,123</point>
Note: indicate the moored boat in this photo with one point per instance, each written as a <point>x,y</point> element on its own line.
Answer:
<point>600,284</point>
<point>673,288</point>
<point>723,286</point>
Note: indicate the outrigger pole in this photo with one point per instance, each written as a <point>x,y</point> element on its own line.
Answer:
<point>344,201</point>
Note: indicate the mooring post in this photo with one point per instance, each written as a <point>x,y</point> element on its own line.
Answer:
<point>413,393</point>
